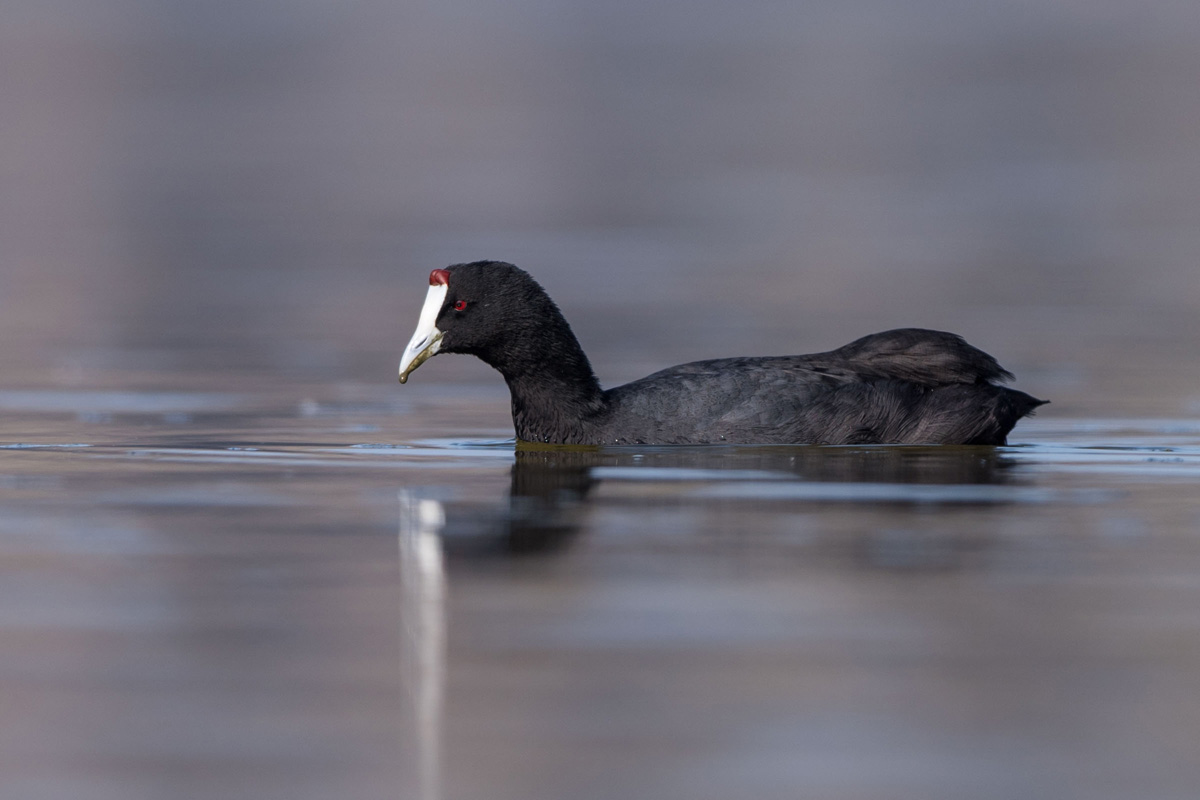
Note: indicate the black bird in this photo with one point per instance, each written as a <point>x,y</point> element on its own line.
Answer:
<point>906,386</point>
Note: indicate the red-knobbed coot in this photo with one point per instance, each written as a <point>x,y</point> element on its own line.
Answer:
<point>907,386</point>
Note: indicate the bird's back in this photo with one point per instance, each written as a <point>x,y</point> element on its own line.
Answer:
<point>902,386</point>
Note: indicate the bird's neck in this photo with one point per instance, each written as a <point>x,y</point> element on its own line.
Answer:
<point>555,395</point>
<point>555,411</point>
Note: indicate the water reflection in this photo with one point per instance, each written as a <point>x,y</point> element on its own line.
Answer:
<point>868,464</point>
<point>423,634</point>
<point>552,491</point>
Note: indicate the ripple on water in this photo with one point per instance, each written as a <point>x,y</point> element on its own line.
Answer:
<point>900,493</point>
<point>1143,449</point>
<point>91,402</point>
<point>42,446</point>
<point>1134,460</point>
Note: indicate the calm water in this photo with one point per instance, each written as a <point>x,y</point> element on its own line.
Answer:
<point>206,596</point>
<point>237,560</point>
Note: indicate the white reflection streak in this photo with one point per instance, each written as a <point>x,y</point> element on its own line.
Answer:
<point>423,631</point>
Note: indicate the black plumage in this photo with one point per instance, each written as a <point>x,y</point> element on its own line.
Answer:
<point>903,386</point>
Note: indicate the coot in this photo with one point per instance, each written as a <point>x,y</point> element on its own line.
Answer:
<point>906,386</point>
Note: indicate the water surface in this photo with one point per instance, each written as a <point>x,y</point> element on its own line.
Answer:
<point>203,608</point>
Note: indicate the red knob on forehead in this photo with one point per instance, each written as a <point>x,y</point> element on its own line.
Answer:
<point>439,277</point>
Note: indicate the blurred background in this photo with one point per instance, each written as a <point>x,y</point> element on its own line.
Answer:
<point>217,220</point>
<point>254,189</point>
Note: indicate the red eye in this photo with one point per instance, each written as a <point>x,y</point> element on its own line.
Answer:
<point>461,305</point>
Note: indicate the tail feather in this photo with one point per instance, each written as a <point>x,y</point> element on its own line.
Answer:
<point>970,414</point>
<point>929,358</point>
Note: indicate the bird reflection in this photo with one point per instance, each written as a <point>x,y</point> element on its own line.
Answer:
<point>552,493</point>
<point>549,497</point>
